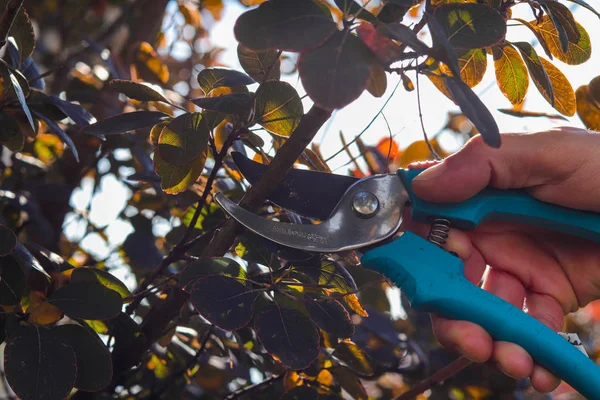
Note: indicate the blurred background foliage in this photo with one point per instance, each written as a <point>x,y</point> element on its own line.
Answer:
<point>98,203</point>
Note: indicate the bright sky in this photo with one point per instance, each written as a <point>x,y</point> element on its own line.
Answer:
<point>401,113</point>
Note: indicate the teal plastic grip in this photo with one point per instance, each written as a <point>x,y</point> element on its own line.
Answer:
<point>433,281</point>
<point>515,205</point>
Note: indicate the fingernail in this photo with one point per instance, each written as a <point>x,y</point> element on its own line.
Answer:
<point>431,173</point>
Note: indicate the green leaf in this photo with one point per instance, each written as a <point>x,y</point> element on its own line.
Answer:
<point>536,70</point>
<point>87,300</point>
<point>233,103</point>
<point>211,266</point>
<point>12,281</point>
<point>260,65</point>
<point>211,78</point>
<point>137,91</point>
<point>184,139</point>
<point>178,178</point>
<point>278,108</point>
<point>354,357</point>
<point>470,26</point>
<point>60,133</point>
<point>331,316</point>
<point>126,122</point>
<point>106,279</point>
<point>94,364</point>
<point>223,301</point>
<point>352,8</point>
<point>336,73</point>
<point>289,25</point>
<point>288,335</point>
<point>472,66</point>
<point>511,73</point>
<point>38,364</point>
<point>8,240</point>
<point>577,53</point>
<point>474,109</point>
<point>210,217</point>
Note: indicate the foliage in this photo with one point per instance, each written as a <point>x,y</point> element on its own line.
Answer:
<point>188,320</point>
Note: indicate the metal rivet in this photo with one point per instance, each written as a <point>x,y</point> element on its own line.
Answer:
<point>365,204</point>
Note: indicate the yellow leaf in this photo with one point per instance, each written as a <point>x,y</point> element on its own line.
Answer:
<point>42,313</point>
<point>587,109</point>
<point>377,83</point>
<point>472,66</point>
<point>354,304</point>
<point>147,62</point>
<point>511,73</point>
<point>577,53</point>
<point>564,96</point>
<point>215,7</point>
<point>191,15</point>
<point>159,366</point>
<point>291,380</point>
<point>419,151</point>
<point>325,378</point>
<point>156,131</point>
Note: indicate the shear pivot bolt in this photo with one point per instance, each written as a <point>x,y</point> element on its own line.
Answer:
<point>365,204</point>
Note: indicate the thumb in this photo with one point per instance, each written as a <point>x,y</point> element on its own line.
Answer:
<point>556,166</point>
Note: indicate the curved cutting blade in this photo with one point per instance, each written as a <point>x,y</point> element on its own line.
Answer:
<point>311,194</point>
<point>344,229</point>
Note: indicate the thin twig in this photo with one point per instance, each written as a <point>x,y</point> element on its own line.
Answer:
<point>387,163</point>
<point>368,125</point>
<point>252,388</point>
<point>431,150</point>
<point>449,370</point>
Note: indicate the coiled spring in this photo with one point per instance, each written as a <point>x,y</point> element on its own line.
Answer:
<point>438,232</point>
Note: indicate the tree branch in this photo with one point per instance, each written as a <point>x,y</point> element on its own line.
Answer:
<point>157,319</point>
<point>8,17</point>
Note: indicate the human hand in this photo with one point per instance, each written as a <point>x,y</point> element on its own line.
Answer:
<point>551,274</point>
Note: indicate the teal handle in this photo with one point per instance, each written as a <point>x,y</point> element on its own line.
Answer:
<point>515,205</point>
<point>433,281</point>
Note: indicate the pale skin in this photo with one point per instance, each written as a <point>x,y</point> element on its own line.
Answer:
<point>552,274</point>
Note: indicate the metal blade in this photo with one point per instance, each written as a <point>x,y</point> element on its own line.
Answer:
<point>344,229</point>
<point>311,194</point>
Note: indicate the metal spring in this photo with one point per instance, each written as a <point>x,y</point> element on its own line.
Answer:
<point>438,232</point>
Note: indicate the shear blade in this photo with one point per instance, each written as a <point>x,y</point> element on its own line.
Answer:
<point>311,194</point>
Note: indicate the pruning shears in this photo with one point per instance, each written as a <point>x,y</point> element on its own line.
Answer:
<point>366,214</point>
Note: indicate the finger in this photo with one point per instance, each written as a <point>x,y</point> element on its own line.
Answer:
<point>543,381</point>
<point>539,271</point>
<point>467,338</point>
<point>513,360</point>
<point>547,310</point>
<point>543,161</point>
